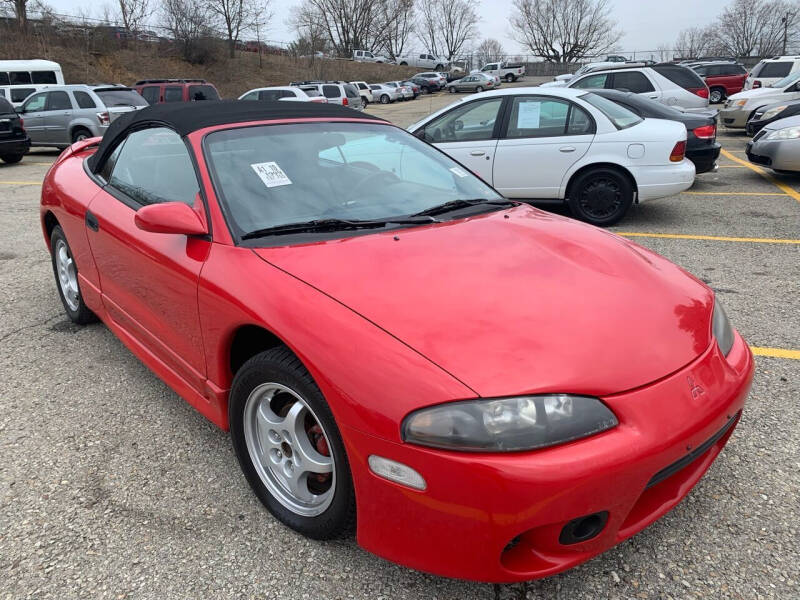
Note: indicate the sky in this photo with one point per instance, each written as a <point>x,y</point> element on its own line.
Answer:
<point>647,24</point>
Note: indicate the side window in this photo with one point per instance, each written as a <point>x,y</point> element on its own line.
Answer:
<point>580,123</point>
<point>252,96</point>
<point>632,81</point>
<point>58,101</point>
<point>471,121</point>
<point>154,166</point>
<point>105,172</point>
<point>202,92</point>
<point>173,94</point>
<point>19,77</point>
<point>84,100</point>
<point>19,94</point>
<point>4,78</point>
<point>151,94</point>
<point>591,82</point>
<point>537,117</point>
<point>331,91</point>
<point>35,103</point>
<point>43,77</point>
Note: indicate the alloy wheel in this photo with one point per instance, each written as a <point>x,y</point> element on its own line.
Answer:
<point>289,449</point>
<point>67,274</point>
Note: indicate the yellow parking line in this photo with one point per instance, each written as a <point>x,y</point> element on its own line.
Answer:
<point>20,183</point>
<point>736,193</point>
<point>714,238</point>
<point>776,352</point>
<point>781,186</point>
<point>730,166</point>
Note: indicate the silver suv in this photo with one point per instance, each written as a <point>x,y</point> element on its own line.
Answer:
<point>336,92</point>
<point>64,114</point>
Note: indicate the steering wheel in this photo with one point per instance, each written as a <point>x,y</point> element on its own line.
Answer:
<point>374,177</point>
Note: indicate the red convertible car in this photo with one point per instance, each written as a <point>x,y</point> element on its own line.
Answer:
<point>480,389</point>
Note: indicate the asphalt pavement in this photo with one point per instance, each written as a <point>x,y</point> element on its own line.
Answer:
<point>111,486</point>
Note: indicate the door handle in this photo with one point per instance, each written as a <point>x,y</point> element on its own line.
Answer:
<point>653,97</point>
<point>91,221</point>
<point>477,153</point>
<point>567,149</point>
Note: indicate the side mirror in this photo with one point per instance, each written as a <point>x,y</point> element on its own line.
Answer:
<point>170,217</point>
<point>420,133</point>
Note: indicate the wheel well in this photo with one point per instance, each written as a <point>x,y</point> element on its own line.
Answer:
<point>248,341</point>
<point>50,223</point>
<point>78,127</point>
<point>621,170</point>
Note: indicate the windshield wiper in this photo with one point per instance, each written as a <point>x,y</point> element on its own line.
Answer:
<point>457,204</point>
<point>335,225</point>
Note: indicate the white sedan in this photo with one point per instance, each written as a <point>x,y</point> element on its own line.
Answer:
<point>286,93</point>
<point>535,144</point>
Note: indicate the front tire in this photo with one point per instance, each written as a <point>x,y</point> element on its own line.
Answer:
<point>364,103</point>
<point>600,197</point>
<point>385,99</point>
<point>12,159</point>
<point>478,89</point>
<point>66,273</point>
<point>716,95</point>
<point>289,447</point>
<point>80,134</point>
<point>452,89</point>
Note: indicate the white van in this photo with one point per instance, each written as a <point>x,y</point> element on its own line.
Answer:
<point>770,70</point>
<point>27,72</point>
<point>16,94</point>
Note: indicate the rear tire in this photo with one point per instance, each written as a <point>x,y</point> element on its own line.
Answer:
<point>439,67</point>
<point>66,273</point>
<point>12,159</point>
<point>452,89</point>
<point>80,133</point>
<point>478,89</point>
<point>600,196</point>
<point>280,422</point>
<point>364,103</point>
<point>716,95</point>
<point>510,78</point>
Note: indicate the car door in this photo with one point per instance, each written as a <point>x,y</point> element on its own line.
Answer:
<point>469,133</point>
<point>634,81</point>
<point>542,138</point>
<point>33,110</point>
<point>596,81</point>
<point>58,115</point>
<point>149,280</point>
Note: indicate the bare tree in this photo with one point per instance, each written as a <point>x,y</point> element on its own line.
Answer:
<point>397,20</point>
<point>20,8</point>
<point>446,25</point>
<point>564,30</point>
<point>694,42</point>
<point>757,27</point>
<point>134,13</point>
<point>236,16</point>
<point>348,24</point>
<point>489,50</point>
<point>312,35</point>
<point>188,24</point>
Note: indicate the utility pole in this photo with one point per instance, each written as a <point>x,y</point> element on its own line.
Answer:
<point>785,21</point>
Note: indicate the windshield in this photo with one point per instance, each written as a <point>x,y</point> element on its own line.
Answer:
<point>620,116</point>
<point>274,175</point>
<point>121,98</point>
<point>786,81</point>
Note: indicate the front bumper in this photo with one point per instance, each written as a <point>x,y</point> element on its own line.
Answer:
<point>780,155</point>
<point>499,517</point>
<point>665,180</point>
<point>704,157</point>
<point>16,146</point>
<point>734,117</point>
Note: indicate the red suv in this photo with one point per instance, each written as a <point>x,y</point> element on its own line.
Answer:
<point>156,91</point>
<point>722,79</point>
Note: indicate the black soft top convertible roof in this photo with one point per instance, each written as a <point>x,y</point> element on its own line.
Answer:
<point>186,117</point>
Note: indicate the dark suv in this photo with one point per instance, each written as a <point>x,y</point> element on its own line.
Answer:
<point>428,82</point>
<point>14,142</point>
<point>156,91</point>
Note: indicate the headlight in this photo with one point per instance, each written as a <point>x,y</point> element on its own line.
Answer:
<point>740,102</point>
<point>771,112</point>
<point>788,133</point>
<point>508,424</point>
<point>721,328</point>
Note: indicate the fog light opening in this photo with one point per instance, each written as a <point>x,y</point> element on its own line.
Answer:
<point>396,472</point>
<point>583,528</point>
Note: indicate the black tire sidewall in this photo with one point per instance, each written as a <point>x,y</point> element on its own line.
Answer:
<point>78,131</point>
<point>12,159</point>
<point>83,315</point>
<point>583,180</point>
<point>280,366</point>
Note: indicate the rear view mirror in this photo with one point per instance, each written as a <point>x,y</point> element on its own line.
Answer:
<point>170,217</point>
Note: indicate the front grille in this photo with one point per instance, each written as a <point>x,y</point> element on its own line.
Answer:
<point>760,160</point>
<point>692,456</point>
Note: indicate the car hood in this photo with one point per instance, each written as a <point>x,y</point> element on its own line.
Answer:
<point>757,94</point>
<point>783,123</point>
<point>517,301</point>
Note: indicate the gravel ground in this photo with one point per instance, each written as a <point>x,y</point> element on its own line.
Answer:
<point>112,487</point>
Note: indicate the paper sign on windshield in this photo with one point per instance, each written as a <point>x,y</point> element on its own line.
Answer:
<point>528,115</point>
<point>271,174</point>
